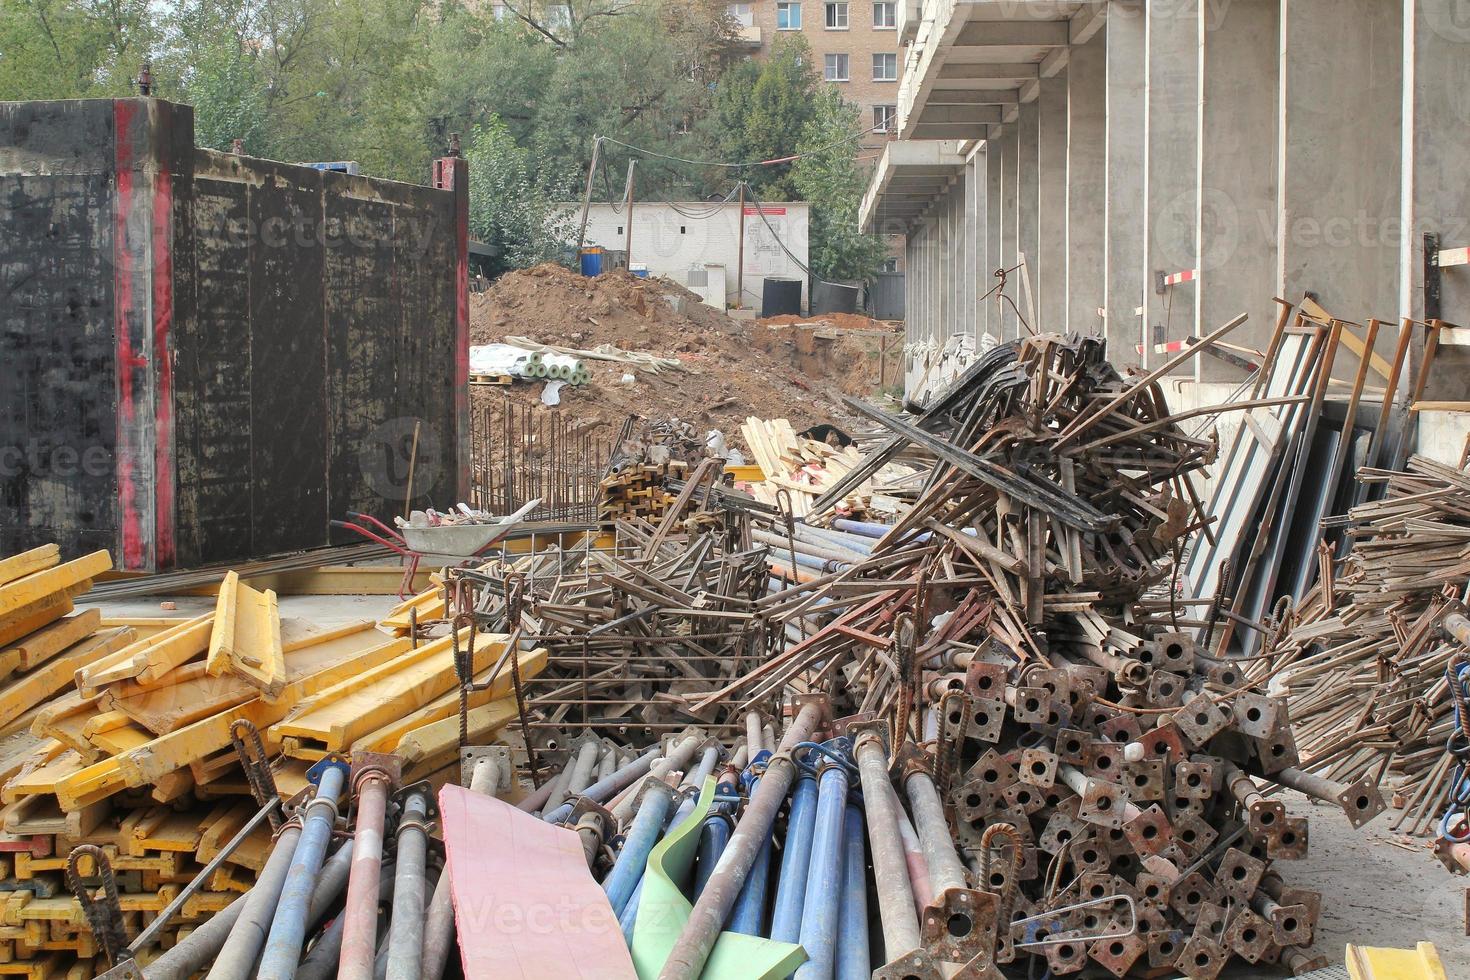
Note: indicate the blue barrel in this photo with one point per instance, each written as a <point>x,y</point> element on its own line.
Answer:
<point>591,261</point>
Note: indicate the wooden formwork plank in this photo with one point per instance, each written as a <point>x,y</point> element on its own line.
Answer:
<point>27,619</point>
<point>29,562</point>
<point>434,739</point>
<point>39,585</point>
<point>49,641</point>
<point>30,690</point>
<point>151,658</point>
<point>246,639</point>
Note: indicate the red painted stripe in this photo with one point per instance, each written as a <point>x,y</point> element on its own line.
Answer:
<point>133,548</point>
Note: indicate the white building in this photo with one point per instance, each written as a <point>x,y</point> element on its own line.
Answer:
<point>675,239</point>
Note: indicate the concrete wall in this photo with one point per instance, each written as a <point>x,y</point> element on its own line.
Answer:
<point>208,357</point>
<point>670,239</point>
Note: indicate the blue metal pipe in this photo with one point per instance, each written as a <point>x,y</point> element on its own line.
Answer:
<point>713,837</point>
<point>749,915</point>
<point>795,858</point>
<point>853,962</point>
<point>867,529</point>
<point>825,876</point>
<point>629,918</point>
<point>288,928</point>
<point>644,833</point>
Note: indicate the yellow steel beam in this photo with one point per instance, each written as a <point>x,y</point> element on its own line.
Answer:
<point>247,637</point>
<point>29,562</point>
<point>38,585</point>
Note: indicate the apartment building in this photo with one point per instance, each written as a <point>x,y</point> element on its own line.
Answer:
<point>855,46</point>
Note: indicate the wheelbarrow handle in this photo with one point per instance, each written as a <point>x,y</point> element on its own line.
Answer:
<point>398,547</point>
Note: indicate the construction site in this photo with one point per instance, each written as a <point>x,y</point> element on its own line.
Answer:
<point>1105,615</point>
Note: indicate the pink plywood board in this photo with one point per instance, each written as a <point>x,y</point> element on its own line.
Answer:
<point>525,905</point>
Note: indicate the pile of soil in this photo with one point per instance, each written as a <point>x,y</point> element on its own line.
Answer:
<point>731,368</point>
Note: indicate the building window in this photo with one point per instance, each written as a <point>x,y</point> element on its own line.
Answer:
<point>885,118</point>
<point>788,16</point>
<point>836,68</point>
<point>885,67</point>
<point>836,16</point>
<point>742,13</point>
<point>890,264</point>
<point>883,16</point>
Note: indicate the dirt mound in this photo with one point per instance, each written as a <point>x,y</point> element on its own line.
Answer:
<point>732,368</point>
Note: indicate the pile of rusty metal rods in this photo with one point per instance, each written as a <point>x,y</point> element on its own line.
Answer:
<point>1363,658</point>
<point>520,454</point>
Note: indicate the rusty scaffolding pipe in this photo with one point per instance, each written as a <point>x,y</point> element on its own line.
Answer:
<point>360,916</point>
<point>896,912</point>
<point>691,950</point>
<point>406,931</point>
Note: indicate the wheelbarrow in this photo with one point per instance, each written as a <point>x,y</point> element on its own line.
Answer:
<point>413,543</point>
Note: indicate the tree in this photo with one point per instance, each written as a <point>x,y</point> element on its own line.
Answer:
<point>761,112</point>
<point>516,204</point>
<point>829,178</point>
<point>73,49</point>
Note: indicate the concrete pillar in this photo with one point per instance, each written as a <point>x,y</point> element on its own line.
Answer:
<point>1125,221</point>
<point>1051,221</point>
<point>1028,203</point>
<point>1240,62</point>
<point>975,179</point>
<point>1438,60</point>
<point>994,251</point>
<point>1010,197</point>
<point>1341,147</point>
<point>1087,173</point>
<point>1171,172</point>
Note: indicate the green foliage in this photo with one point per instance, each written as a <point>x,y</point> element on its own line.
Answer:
<point>761,112</point>
<point>386,82</point>
<point>514,195</point>
<point>830,179</point>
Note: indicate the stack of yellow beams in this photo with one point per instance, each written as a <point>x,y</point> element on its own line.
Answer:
<point>122,740</point>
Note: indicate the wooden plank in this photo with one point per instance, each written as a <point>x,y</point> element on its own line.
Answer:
<point>38,585</point>
<point>47,642</point>
<point>31,689</point>
<point>29,562</point>
<point>26,620</point>
<point>247,637</point>
<point>160,652</point>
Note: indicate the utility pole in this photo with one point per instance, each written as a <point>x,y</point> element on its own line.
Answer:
<point>587,196</point>
<point>740,260</point>
<point>628,246</point>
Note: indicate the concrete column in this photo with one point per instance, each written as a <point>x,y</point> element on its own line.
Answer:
<point>1171,172</point>
<point>1028,203</point>
<point>1087,172</point>
<point>1340,138</point>
<point>1439,195</point>
<point>1010,198</point>
<point>1125,221</point>
<point>1051,237</point>
<point>1240,62</point>
<point>975,223</point>
<point>994,210</point>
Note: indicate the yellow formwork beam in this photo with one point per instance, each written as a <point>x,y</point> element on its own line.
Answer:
<point>190,743</point>
<point>432,741</point>
<point>387,738</point>
<point>428,605</point>
<point>335,718</point>
<point>29,562</point>
<point>50,678</point>
<point>39,585</point>
<point>1376,963</point>
<point>246,639</point>
<point>47,642</point>
<point>149,659</point>
<point>26,620</point>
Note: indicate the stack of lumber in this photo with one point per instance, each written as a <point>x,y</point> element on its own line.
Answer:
<point>1364,662</point>
<point>121,738</point>
<point>805,467</point>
